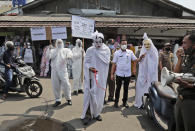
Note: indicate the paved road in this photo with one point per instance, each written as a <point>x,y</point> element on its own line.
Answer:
<point>19,106</point>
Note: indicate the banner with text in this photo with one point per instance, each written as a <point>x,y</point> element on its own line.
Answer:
<point>59,32</point>
<point>38,33</point>
<point>82,27</point>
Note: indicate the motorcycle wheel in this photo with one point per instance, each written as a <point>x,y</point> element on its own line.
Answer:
<point>149,108</point>
<point>153,115</point>
<point>34,89</point>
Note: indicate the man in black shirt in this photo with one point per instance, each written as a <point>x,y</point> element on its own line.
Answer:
<point>8,61</point>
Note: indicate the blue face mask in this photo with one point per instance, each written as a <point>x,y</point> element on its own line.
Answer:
<point>111,47</point>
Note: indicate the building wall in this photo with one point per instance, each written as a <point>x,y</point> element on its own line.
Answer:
<point>5,6</point>
<point>122,7</point>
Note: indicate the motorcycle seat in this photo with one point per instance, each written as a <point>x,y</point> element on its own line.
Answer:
<point>165,91</point>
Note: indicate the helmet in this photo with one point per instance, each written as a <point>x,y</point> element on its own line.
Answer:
<point>9,45</point>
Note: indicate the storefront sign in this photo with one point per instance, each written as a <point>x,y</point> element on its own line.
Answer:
<point>82,27</point>
<point>59,32</point>
<point>38,33</point>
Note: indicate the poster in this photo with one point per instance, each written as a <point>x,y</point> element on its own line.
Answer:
<point>38,33</point>
<point>82,27</point>
<point>59,32</point>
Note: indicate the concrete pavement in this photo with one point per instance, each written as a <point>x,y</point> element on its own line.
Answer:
<point>19,107</point>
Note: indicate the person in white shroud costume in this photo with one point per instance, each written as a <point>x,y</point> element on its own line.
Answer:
<point>78,54</point>
<point>97,59</point>
<point>148,70</point>
<point>59,73</point>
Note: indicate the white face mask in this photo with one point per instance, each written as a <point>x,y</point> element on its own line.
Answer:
<point>147,44</point>
<point>78,44</point>
<point>123,47</point>
<point>60,46</point>
<point>98,42</point>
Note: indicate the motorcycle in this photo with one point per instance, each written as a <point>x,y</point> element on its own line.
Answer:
<point>159,104</point>
<point>24,80</point>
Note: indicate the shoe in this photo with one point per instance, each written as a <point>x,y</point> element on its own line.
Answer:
<point>105,102</point>
<point>69,102</point>
<point>142,106</point>
<point>99,118</point>
<point>125,105</point>
<point>75,93</point>
<point>110,99</point>
<point>116,105</point>
<point>4,97</point>
<point>56,104</point>
<point>80,91</point>
<point>85,121</point>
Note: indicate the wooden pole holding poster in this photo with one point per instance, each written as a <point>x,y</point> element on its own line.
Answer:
<point>82,73</point>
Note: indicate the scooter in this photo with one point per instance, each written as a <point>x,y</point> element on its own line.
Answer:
<point>159,104</point>
<point>24,80</point>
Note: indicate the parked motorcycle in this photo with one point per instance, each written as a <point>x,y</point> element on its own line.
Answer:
<point>24,79</point>
<point>159,104</point>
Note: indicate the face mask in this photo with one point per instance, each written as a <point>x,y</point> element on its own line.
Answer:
<point>78,44</point>
<point>168,49</point>
<point>147,44</point>
<point>111,47</point>
<point>28,46</point>
<point>60,46</point>
<point>123,47</point>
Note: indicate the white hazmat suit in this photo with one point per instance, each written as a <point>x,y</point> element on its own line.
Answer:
<point>78,53</point>
<point>98,57</point>
<point>59,74</point>
<point>148,70</point>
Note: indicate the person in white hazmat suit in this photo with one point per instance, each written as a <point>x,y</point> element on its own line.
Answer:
<point>78,54</point>
<point>96,61</point>
<point>148,70</point>
<point>59,73</point>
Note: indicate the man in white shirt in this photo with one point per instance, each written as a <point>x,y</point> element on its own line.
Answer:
<point>122,67</point>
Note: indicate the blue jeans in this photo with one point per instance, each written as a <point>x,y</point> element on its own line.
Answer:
<point>8,78</point>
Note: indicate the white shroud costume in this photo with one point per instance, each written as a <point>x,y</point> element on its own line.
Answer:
<point>148,70</point>
<point>98,58</point>
<point>77,64</point>
<point>59,73</point>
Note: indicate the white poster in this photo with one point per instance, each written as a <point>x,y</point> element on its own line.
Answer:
<point>82,27</point>
<point>38,33</point>
<point>59,32</point>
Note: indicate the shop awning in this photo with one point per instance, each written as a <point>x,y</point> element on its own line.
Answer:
<point>115,21</point>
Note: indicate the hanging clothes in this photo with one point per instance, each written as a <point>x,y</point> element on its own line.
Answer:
<point>44,63</point>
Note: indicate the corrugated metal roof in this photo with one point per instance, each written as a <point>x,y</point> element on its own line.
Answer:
<point>31,21</point>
